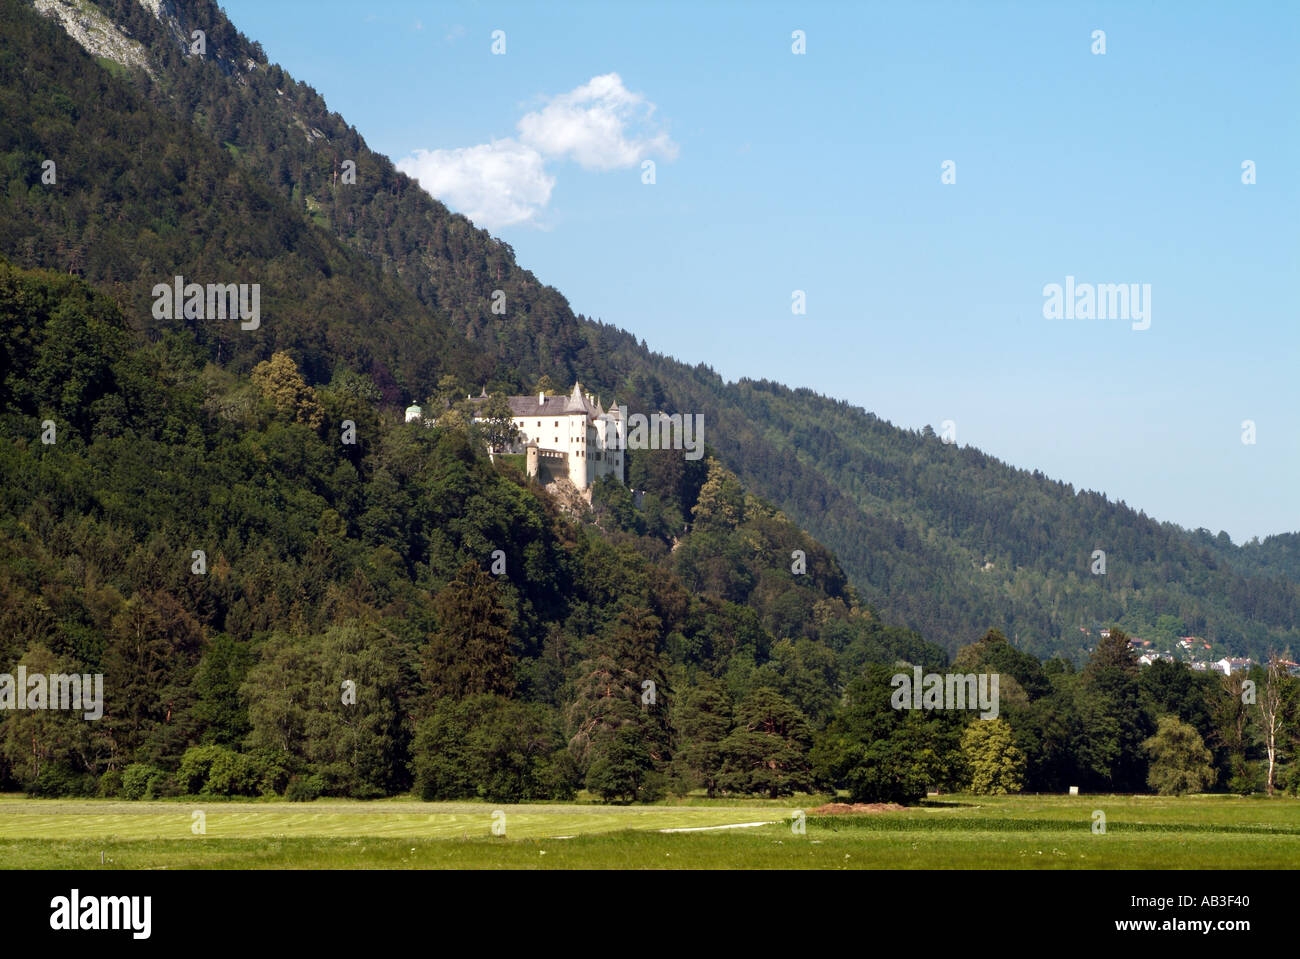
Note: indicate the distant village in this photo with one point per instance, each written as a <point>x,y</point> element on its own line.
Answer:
<point>1191,650</point>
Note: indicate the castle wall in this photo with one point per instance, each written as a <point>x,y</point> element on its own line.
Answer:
<point>581,436</point>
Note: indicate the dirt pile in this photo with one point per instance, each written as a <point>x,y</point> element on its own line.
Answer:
<point>840,808</point>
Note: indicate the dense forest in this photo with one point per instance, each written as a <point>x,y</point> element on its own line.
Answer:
<point>291,591</point>
<point>326,561</point>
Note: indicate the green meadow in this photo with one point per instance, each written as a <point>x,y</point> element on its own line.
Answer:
<point>957,832</point>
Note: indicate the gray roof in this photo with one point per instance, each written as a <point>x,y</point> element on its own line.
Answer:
<point>549,406</point>
<point>576,403</point>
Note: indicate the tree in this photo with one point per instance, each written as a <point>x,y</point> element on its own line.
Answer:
<point>635,641</point>
<point>48,748</point>
<point>622,766</point>
<point>996,654</point>
<point>721,504</point>
<point>469,653</point>
<point>702,721</point>
<point>332,703</point>
<point>996,766</point>
<point>1276,701</point>
<point>606,698</point>
<point>488,747</point>
<point>1180,763</point>
<point>152,651</point>
<point>767,751</point>
<point>279,381</point>
<point>496,423</point>
<point>1174,689</point>
<point>1112,652</point>
<point>454,420</point>
<point>1112,722</point>
<point>220,712</point>
<point>882,754</point>
<point>518,755</point>
<point>1231,717</point>
<point>216,770</point>
<point>356,726</point>
<point>807,674</point>
<point>449,391</point>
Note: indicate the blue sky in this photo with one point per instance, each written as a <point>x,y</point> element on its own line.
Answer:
<point>821,172</point>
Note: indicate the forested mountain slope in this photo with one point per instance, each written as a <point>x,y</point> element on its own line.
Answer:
<point>943,539</point>
<point>217,549</point>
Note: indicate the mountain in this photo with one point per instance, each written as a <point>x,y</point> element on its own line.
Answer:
<point>288,590</point>
<point>945,540</point>
<point>1275,557</point>
<point>279,585</point>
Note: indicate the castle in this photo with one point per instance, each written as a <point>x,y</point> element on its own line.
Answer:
<point>573,437</point>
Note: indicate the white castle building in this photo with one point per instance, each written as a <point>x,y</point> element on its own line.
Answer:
<point>573,436</point>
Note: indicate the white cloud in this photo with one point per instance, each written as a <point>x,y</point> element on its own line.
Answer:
<point>495,184</point>
<point>601,125</point>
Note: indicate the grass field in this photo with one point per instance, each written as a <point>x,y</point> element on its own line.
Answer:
<point>959,832</point>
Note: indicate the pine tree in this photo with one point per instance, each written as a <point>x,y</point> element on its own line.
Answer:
<point>703,722</point>
<point>606,698</point>
<point>768,750</point>
<point>469,654</point>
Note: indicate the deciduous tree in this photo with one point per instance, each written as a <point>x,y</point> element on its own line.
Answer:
<point>1180,763</point>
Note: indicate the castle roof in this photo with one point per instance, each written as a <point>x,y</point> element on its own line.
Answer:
<point>580,402</point>
<point>539,405</point>
<point>576,403</point>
